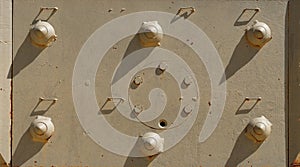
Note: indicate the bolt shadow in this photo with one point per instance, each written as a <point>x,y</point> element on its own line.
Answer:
<point>26,149</point>
<point>242,55</point>
<point>243,148</point>
<point>139,161</point>
<point>26,54</point>
<point>125,67</point>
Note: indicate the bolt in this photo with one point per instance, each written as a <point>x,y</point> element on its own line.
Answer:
<point>194,98</point>
<point>138,109</point>
<point>259,128</point>
<point>138,80</point>
<point>150,143</point>
<point>259,32</point>
<point>163,66</point>
<point>187,80</point>
<point>123,9</point>
<point>40,128</point>
<point>87,83</point>
<point>188,109</point>
<point>151,32</point>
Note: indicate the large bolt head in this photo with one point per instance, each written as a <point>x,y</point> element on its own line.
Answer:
<point>151,144</point>
<point>258,34</point>
<point>150,34</point>
<point>258,129</point>
<point>41,129</point>
<point>42,34</point>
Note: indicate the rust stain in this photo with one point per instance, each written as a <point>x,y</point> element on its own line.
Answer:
<point>296,161</point>
<point>209,103</point>
<point>150,158</point>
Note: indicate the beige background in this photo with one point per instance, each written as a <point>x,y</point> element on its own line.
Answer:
<point>250,72</point>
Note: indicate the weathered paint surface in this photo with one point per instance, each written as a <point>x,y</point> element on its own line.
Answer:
<point>250,73</point>
<point>296,161</point>
<point>294,82</point>
<point>5,82</point>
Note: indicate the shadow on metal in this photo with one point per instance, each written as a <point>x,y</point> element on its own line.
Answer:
<point>139,161</point>
<point>242,55</point>
<point>243,148</point>
<point>26,149</point>
<point>26,54</point>
<point>134,45</point>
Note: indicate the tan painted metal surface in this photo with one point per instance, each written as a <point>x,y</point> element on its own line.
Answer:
<point>5,82</point>
<point>79,138</point>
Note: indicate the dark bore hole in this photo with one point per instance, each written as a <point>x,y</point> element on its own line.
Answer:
<point>162,123</point>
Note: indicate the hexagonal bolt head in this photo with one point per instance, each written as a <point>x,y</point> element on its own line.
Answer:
<point>258,129</point>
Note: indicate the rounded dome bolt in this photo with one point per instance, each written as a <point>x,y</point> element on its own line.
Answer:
<point>258,34</point>
<point>150,34</point>
<point>151,143</point>
<point>42,34</point>
<point>258,129</point>
<point>41,129</point>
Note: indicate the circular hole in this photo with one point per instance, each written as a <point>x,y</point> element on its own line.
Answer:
<point>162,123</point>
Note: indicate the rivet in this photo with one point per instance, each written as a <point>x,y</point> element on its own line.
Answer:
<point>138,80</point>
<point>87,83</point>
<point>194,98</point>
<point>187,80</point>
<point>188,109</point>
<point>163,66</point>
